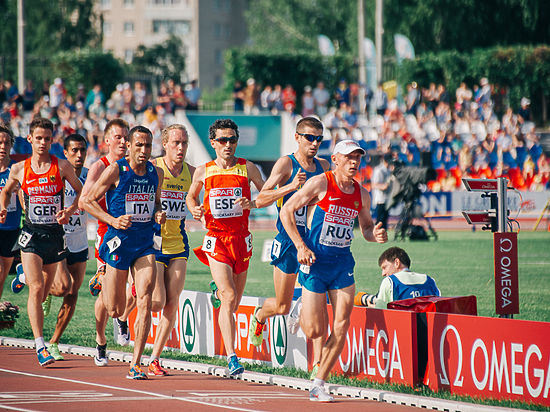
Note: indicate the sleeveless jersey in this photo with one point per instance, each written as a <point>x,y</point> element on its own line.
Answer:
<point>331,222</point>
<point>403,291</point>
<point>174,192</point>
<point>13,218</point>
<point>300,215</point>
<point>102,226</point>
<point>43,194</point>
<point>134,195</point>
<point>222,187</point>
<point>75,231</point>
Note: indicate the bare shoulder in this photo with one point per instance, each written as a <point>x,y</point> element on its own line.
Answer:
<point>191,169</point>
<point>324,163</point>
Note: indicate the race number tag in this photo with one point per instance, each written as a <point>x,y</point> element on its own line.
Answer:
<point>173,203</point>
<point>140,206</point>
<point>209,244</point>
<point>300,216</point>
<point>223,202</point>
<point>248,241</point>
<point>42,209</point>
<point>157,242</point>
<point>337,228</point>
<point>305,269</point>
<point>114,244</point>
<point>13,203</point>
<point>24,238</point>
<point>276,248</point>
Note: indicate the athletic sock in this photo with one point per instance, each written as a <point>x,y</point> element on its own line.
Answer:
<point>39,342</point>
<point>230,356</point>
<point>23,278</point>
<point>318,382</point>
<point>364,299</point>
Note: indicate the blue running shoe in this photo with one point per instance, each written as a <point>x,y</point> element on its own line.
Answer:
<point>136,373</point>
<point>95,282</point>
<point>16,285</point>
<point>44,357</point>
<point>235,368</point>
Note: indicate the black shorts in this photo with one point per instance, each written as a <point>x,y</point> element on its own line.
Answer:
<point>9,237</point>
<point>76,257</point>
<point>49,245</point>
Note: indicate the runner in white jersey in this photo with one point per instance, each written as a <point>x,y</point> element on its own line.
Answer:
<point>76,240</point>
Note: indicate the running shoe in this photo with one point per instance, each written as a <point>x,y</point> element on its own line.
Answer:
<point>293,319</point>
<point>136,373</point>
<point>100,358</point>
<point>16,285</point>
<point>54,351</point>
<point>318,394</point>
<point>314,371</point>
<point>235,368</point>
<point>95,283</point>
<point>216,302</point>
<point>123,336</point>
<point>358,300</point>
<point>255,332</point>
<point>44,357</point>
<point>47,305</point>
<point>156,370</point>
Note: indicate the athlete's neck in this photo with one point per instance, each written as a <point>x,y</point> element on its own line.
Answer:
<point>77,171</point>
<point>344,182</point>
<point>226,163</point>
<point>305,161</point>
<point>40,161</point>
<point>112,157</point>
<point>174,168</point>
<point>138,168</point>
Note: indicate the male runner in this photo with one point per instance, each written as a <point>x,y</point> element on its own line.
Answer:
<point>336,199</point>
<point>42,179</point>
<point>173,252</point>
<point>115,135</point>
<point>132,192</point>
<point>287,176</point>
<point>227,247</point>
<point>76,239</point>
<point>9,231</point>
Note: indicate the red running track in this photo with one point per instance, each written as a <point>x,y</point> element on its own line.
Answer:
<point>76,384</point>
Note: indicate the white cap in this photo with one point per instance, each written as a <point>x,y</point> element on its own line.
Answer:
<point>250,81</point>
<point>525,101</point>
<point>347,146</point>
<point>57,81</point>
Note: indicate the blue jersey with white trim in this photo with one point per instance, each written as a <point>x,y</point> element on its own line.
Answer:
<point>403,291</point>
<point>13,218</point>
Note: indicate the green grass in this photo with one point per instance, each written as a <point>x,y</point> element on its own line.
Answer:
<point>461,263</point>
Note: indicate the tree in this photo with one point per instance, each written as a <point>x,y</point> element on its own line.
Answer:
<point>165,60</point>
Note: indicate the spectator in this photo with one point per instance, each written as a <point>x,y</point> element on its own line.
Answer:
<point>56,93</point>
<point>251,97</point>
<point>265,103</point>
<point>178,98</point>
<point>275,98</point>
<point>380,100</point>
<point>321,98</point>
<point>93,96</point>
<point>140,97</point>
<point>380,189</point>
<point>524,113</point>
<point>308,103</point>
<point>342,93</point>
<point>193,95</point>
<point>288,97</point>
<point>238,96</point>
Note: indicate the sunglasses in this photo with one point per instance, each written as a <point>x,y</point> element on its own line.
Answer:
<point>311,137</point>
<point>224,140</point>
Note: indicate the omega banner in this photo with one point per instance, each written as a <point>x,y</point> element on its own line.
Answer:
<point>506,273</point>
<point>489,357</point>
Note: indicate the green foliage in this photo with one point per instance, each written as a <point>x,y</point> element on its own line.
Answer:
<point>165,60</point>
<point>89,67</point>
<point>524,70</point>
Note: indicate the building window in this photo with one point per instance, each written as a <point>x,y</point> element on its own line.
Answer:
<point>165,2</point>
<point>107,28</point>
<point>128,4</point>
<point>128,55</point>
<point>177,27</point>
<point>218,81</point>
<point>217,30</point>
<point>218,57</point>
<point>105,4</point>
<point>129,28</point>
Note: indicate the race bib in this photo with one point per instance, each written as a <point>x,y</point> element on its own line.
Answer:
<point>140,206</point>
<point>276,248</point>
<point>209,244</point>
<point>305,269</point>
<point>248,241</point>
<point>114,244</point>
<point>12,207</point>
<point>77,222</point>
<point>173,203</point>
<point>223,202</point>
<point>300,216</point>
<point>24,238</point>
<point>42,209</point>
<point>337,228</point>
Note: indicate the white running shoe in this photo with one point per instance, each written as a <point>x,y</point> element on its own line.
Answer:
<point>318,394</point>
<point>293,319</point>
<point>121,332</point>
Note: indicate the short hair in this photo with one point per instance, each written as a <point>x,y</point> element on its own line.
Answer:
<point>42,123</point>
<point>176,126</point>
<point>222,124</point>
<point>7,130</point>
<point>75,137</point>
<point>309,121</point>
<point>115,122</point>
<point>395,253</point>
<point>139,129</point>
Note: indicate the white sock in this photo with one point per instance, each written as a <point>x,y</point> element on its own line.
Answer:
<point>39,342</point>
<point>22,278</point>
<point>154,358</point>
<point>230,356</point>
<point>318,382</point>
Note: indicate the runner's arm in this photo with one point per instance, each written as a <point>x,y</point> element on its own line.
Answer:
<point>93,175</point>
<point>67,172</point>
<point>192,200</point>
<point>255,177</point>
<point>160,215</point>
<point>281,172</point>
<point>14,179</point>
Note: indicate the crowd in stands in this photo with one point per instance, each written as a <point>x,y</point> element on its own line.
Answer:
<point>470,134</point>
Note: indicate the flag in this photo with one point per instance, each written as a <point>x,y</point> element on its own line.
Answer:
<point>325,45</point>
<point>403,47</point>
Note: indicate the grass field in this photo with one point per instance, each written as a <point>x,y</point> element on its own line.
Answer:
<point>461,263</point>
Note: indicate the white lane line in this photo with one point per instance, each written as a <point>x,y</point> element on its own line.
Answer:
<point>158,395</point>
<point>12,408</point>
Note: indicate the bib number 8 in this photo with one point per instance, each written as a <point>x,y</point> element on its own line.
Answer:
<point>209,244</point>
<point>248,241</point>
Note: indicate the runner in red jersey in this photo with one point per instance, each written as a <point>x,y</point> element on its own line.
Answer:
<point>115,136</point>
<point>42,179</point>
<point>227,246</point>
<point>334,201</point>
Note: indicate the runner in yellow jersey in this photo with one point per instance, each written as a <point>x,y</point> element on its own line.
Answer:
<point>170,237</point>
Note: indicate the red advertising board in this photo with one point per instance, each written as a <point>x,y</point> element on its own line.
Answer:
<point>489,357</point>
<point>174,337</point>
<point>380,346</point>
<point>506,273</point>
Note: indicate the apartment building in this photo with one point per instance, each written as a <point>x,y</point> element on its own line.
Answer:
<point>207,28</point>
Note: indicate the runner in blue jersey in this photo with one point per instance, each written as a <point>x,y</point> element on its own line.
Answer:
<point>133,195</point>
<point>9,231</point>
<point>287,176</point>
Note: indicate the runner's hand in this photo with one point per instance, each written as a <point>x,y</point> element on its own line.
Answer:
<point>122,222</point>
<point>305,255</point>
<point>3,214</point>
<point>160,217</point>
<point>245,203</point>
<point>379,233</point>
<point>62,217</point>
<point>299,179</point>
<point>197,212</point>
